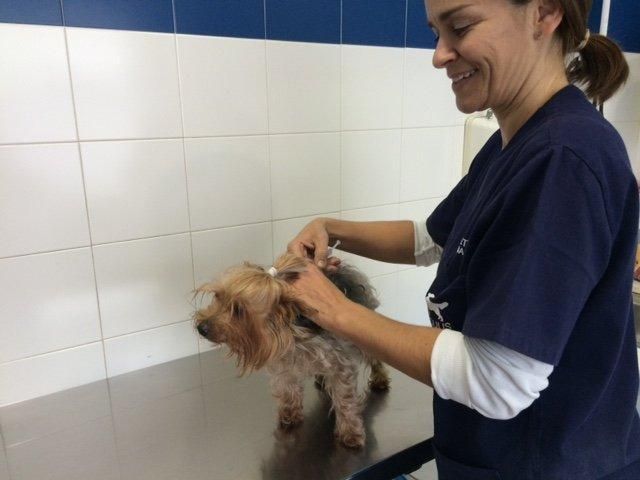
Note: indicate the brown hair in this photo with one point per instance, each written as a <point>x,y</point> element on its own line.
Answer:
<point>252,310</point>
<point>600,66</point>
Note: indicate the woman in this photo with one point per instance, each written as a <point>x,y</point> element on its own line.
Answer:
<point>534,364</point>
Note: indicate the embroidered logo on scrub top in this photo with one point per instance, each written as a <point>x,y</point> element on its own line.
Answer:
<point>435,314</point>
<point>463,243</point>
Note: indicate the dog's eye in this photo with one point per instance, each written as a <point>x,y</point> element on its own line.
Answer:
<point>237,310</point>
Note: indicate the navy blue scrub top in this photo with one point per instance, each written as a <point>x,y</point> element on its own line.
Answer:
<point>539,246</point>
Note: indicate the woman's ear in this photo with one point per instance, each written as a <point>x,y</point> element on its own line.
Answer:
<point>549,15</point>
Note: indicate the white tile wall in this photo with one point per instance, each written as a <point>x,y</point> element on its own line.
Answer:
<point>36,89</point>
<point>370,168</point>
<point>143,349</point>
<point>624,106</point>
<point>228,171</point>
<point>143,284</point>
<point>150,162</point>
<point>431,162</point>
<point>223,85</point>
<point>387,292</point>
<point>125,84</point>
<point>370,267</point>
<point>303,81</point>
<point>371,87</point>
<point>629,133</point>
<point>636,162</point>
<point>52,298</point>
<point>42,205</point>
<point>412,288</point>
<point>135,189</point>
<point>216,250</point>
<point>35,376</point>
<point>305,173</point>
<point>428,100</point>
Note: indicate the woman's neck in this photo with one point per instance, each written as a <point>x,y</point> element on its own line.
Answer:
<point>531,97</point>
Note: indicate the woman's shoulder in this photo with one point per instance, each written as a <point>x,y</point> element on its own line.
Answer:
<point>585,135</point>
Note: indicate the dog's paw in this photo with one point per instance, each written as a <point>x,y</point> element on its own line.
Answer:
<point>352,439</point>
<point>379,383</point>
<point>289,418</point>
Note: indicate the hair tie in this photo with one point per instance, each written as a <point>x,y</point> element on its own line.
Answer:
<point>272,271</point>
<point>584,42</point>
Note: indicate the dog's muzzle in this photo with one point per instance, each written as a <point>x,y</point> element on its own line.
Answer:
<point>203,329</point>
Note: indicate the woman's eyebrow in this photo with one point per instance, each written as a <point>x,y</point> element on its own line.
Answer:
<point>446,14</point>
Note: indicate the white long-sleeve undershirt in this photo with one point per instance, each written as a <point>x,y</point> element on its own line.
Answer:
<point>495,380</point>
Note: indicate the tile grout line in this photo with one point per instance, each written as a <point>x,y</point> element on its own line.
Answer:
<point>51,352</point>
<point>84,189</point>
<point>184,158</point>
<point>93,261</point>
<point>240,135</point>
<point>401,153</point>
<point>184,155</point>
<point>404,66</point>
<point>204,230</point>
<point>269,159</point>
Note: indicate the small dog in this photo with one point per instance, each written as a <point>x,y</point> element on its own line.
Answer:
<point>254,312</point>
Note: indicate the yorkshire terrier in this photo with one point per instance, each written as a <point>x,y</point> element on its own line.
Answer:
<point>254,312</point>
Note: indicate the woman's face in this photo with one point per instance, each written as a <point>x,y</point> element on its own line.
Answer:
<point>487,48</point>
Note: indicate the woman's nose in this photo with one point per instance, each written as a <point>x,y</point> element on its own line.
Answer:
<point>443,54</point>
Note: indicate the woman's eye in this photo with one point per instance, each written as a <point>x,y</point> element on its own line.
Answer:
<point>461,30</point>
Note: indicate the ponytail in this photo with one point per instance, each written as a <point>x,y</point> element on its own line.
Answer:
<point>598,64</point>
<point>600,68</point>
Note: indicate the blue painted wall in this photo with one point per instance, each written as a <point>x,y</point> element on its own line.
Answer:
<point>392,23</point>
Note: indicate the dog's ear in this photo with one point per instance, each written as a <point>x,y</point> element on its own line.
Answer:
<point>254,337</point>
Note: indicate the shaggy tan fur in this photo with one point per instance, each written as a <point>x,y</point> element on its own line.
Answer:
<point>262,323</point>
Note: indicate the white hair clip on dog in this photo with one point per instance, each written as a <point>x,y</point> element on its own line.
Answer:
<point>273,271</point>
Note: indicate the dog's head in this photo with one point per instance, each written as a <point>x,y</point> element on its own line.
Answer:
<point>251,311</point>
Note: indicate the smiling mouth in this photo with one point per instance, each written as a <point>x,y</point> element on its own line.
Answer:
<point>464,76</point>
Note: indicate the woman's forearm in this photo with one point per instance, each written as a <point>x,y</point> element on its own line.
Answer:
<point>387,241</point>
<point>405,347</point>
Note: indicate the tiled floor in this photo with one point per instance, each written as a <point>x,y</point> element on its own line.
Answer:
<point>193,419</point>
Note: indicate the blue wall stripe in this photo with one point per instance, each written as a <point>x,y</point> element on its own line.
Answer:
<point>142,15</point>
<point>363,22</point>
<point>36,12</point>
<point>374,22</point>
<point>595,16</point>
<point>624,24</point>
<point>225,18</point>
<point>304,20</point>
<point>419,35</point>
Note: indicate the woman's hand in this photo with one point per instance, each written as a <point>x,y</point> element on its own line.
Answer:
<point>313,243</point>
<point>319,294</point>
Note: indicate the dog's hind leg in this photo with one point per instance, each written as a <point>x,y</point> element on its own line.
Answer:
<point>288,390</point>
<point>379,377</point>
<point>348,406</point>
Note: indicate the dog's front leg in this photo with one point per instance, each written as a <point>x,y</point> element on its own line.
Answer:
<point>288,390</point>
<point>348,405</point>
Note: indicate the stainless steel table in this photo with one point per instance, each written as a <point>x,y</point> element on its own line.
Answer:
<point>194,419</point>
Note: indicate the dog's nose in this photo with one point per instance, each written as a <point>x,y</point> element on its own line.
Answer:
<point>203,329</point>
